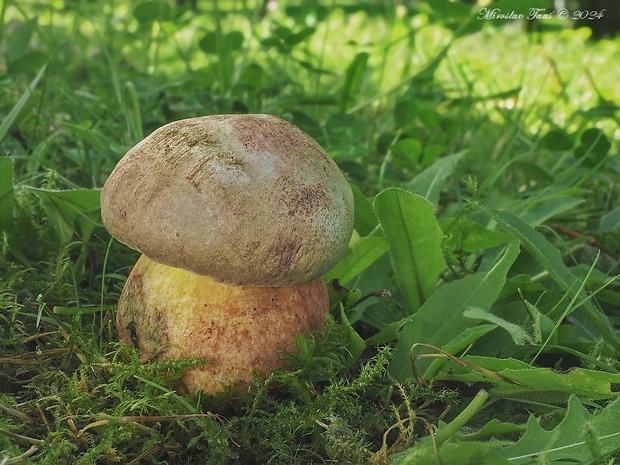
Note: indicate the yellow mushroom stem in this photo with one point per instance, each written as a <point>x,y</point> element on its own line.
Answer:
<point>170,313</point>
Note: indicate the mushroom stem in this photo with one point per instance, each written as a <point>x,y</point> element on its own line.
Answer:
<point>170,313</point>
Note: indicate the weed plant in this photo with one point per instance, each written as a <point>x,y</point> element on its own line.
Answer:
<point>474,318</point>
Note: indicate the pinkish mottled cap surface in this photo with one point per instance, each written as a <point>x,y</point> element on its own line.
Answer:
<point>244,199</point>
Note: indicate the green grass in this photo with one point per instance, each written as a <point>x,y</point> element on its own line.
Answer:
<point>480,289</point>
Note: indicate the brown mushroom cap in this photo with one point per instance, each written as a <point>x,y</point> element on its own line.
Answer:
<point>244,199</point>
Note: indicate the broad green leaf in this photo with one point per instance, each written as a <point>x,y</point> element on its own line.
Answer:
<point>430,181</point>
<point>151,10</point>
<point>441,319</point>
<point>360,255</point>
<point>353,80</point>
<point>593,147</point>
<point>557,139</point>
<point>408,149</point>
<point>71,211</point>
<point>581,437</point>
<point>595,140</point>
<point>550,259</point>
<point>515,379</point>
<point>409,223</point>
<point>216,43</point>
<point>6,193</point>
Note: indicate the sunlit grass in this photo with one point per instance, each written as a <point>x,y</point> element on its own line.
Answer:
<point>487,140</point>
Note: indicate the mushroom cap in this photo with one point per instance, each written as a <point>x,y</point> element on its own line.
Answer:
<point>244,199</point>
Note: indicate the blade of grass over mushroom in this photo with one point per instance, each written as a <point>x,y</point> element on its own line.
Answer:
<point>550,259</point>
<point>409,224</point>
<point>442,318</point>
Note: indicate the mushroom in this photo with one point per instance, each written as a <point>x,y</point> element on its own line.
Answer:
<point>237,217</point>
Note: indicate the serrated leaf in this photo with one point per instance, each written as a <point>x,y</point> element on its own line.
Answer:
<point>515,379</point>
<point>409,223</point>
<point>580,437</point>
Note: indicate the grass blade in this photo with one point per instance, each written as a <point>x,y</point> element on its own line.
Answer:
<point>12,116</point>
<point>6,193</point>
<point>550,259</point>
